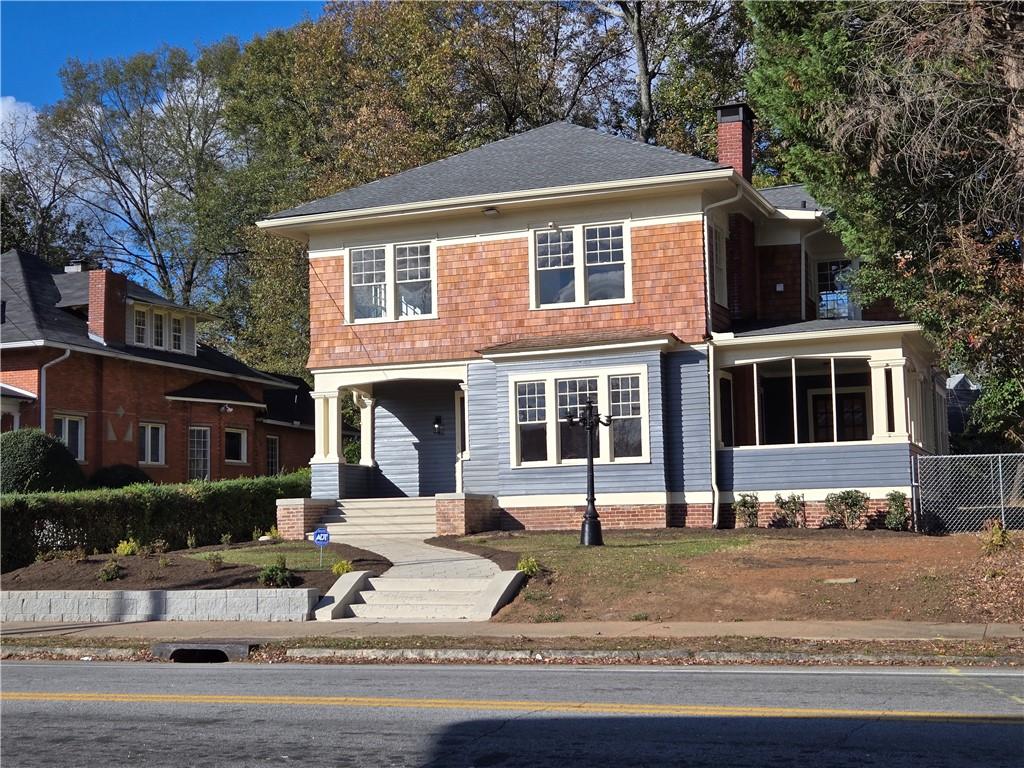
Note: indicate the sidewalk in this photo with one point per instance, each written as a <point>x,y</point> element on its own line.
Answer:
<point>270,631</point>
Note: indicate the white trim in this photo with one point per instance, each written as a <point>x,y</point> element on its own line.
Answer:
<point>20,391</point>
<point>492,200</point>
<point>665,343</point>
<point>245,445</point>
<point>164,327</point>
<point>729,340</point>
<point>162,458</point>
<point>800,214</point>
<point>23,344</point>
<point>549,378</point>
<point>834,391</point>
<point>391,308</point>
<point>812,494</point>
<point>67,417</point>
<point>209,450</point>
<point>214,400</point>
<point>603,499</point>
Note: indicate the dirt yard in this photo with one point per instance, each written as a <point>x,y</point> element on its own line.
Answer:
<point>183,569</point>
<point>747,575</point>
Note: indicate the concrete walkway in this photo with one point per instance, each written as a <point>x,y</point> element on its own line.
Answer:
<point>412,559</point>
<point>266,631</point>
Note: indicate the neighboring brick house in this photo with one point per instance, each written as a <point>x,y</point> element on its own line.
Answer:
<point>121,379</point>
<point>470,305</point>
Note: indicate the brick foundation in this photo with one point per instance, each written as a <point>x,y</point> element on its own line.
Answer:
<point>460,513</point>
<point>815,512</point>
<point>297,517</point>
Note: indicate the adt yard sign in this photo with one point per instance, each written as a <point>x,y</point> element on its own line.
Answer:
<point>321,537</point>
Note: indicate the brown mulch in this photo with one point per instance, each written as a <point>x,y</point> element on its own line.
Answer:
<point>180,572</point>
<point>993,585</point>
<point>507,561</point>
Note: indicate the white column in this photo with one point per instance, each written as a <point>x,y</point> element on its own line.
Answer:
<point>900,405</point>
<point>879,400</point>
<point>365,403</point>
<point>327,426</point>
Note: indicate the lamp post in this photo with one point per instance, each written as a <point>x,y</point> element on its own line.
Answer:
<point>590,532</point>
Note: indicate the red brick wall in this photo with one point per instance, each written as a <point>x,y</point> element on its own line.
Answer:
<point>734,147</point>
<point>115,395</point>
<point>483,299</point>
<point>295,446</point>
<point>297,517</point>
<point>107,293</point>
<point>779,264</point>
<point>742,269</point>
<point>472,513</point>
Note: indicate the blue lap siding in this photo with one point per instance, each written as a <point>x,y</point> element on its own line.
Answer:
<point>838,467</point>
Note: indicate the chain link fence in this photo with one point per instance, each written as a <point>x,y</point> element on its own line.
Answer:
<point>959,493</point>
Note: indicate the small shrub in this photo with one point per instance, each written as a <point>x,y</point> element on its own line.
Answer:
<point>281,562</point>
<point>791,511</point>
<point>190,540</point>
<point>746,508</point>
<point>846,509</point>
<point>256,534</point>
<point>341,567</point>
<point>897,518</point>
<point>77,554</point>
<point>32,461</point>
<point>225,539</point>
<point>275,576</point>
<point>111,570</point>
<point>639,617</point>
<point>274,534</point>
<point>994,537</point>
<point>549,617</point>
<point>528,565</point>
<point>159,546</point>
<point>215,560</point>
<point>118,476</point>
<point>127,547</point>
<point>164,561</point>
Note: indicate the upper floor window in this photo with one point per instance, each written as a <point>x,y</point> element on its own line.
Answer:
<point>141,327</point>
<point>177,334</point>
<point>391,282</point>
<point>717,256</point>
<point>833,289</point>
<point>70,430</point>
<point>158,329</point>
<point>161,329</point>
<point>574,266</point>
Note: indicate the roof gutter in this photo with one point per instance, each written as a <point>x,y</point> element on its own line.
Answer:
<point>42,386</point>
<point>712,373</point>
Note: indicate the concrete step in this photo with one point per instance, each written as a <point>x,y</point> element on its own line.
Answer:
<point>386,584</point>
<point>417,612</point>
<point>369,528</point>
<point>409,502</point>
<point>387,519</point>
<point>386,597</point>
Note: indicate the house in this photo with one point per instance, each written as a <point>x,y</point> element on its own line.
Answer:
<point>118,374</point>
<point>470,305</point>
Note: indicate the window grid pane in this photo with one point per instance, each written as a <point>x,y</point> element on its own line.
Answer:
<point>368,266</point>
<point>158,330</point>
<point>604,244</point>
<point>140,327</point>
<point>412,263</point>
<point>198,453</point>
<point>176,334</point>
<point>531,404</point>
<point>156,444</point>
<point>554,249</point>
<point>573,395</point>
<point>273,461</point>
<point>625,396</point>
<point>833,293</point>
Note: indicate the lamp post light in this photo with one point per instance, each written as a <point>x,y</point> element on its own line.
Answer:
<point>590,532</point>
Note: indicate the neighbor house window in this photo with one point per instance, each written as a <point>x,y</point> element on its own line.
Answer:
<point>235,445</point>
<point>578,265</point>
<point>198,453</point>
<point>151,443</point>
<point>141,327</point>
<point>531,421</point>
<point>391,282</point>
<point>718,256</point>
<point>70,430</point>
<point>177,334</point>
<point>158,329</point>
<point>545,435</point>
<point>273,455</point>
<point>833,289</point>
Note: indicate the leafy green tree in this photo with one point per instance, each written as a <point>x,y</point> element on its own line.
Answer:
<point>906,120</point>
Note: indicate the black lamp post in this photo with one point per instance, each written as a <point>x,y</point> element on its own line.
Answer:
<point>590,533</point>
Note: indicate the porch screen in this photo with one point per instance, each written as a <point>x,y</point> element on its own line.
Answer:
<point>531,421</point>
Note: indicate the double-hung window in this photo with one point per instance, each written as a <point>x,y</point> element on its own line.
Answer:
<point>834,289</point>
<point>549,436</point>
<point>579,265</point>
<point>273,455</point>
<point>391,282</point>
<point>141,326</point>
<point>70,430</point>
<point>158,329</point>
<point>151,443</point>
<point>177,334</point>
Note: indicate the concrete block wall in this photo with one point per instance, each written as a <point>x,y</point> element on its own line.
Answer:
<point>159,605</point>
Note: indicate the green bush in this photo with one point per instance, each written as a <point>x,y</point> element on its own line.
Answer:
<point>275,576</point>
<point>846,509</point>
<point>127,548</point>
<point>341,567</point>
<point>32,461</point>
<point>746,508</point>
<point>528,565</point>
<point>99,519</point>
<point>896,516</point>
<point>215,560</point>
<point>791,511</point>
<point>118,476</point>
<point>110,570</point>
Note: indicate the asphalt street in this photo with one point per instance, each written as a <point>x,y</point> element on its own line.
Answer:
<point>104,714</point>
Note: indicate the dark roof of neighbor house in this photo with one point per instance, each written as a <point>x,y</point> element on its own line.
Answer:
<point>32,312</point>
<point>810,326</point>
<point>584,338</point>
<point>74,292</point>
<point>289,405</point>
<point>211,389</point>
<point>555,155</point>
<point>790,196</point>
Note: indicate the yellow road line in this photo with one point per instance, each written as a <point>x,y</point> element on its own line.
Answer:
<point>493,705</point>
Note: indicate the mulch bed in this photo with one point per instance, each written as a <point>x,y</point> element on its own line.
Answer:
<point>504,559</point>
<point>180,572</point>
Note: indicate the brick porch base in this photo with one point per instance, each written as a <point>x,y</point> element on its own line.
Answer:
<point>297,517</point>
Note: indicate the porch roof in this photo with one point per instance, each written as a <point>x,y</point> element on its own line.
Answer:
<point>817,326</point>
<point>583,339</point>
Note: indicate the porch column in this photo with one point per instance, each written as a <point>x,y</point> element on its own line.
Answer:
<point>327,457</point>
<point>365,403</point>
<point>879,399</point>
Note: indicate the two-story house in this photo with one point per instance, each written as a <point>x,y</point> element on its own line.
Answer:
<point>116,372</point>
<point>470,305</point>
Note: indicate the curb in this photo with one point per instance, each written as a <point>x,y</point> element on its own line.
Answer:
<point>80,654</point>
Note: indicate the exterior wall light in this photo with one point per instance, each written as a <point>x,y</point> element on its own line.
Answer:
<point>226,409</point>
<point>437,425</point>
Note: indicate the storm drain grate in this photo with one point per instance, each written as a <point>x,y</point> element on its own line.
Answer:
<point>203,653</point>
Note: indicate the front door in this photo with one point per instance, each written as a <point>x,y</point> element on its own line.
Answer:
<point>460,437</point>
<point>852,420</point>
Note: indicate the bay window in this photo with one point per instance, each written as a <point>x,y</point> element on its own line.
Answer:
<point>579,265</point>
<point>391,282</point>
<point>545,436</point>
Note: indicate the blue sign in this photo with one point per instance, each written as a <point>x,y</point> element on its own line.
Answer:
<point>321,537</point>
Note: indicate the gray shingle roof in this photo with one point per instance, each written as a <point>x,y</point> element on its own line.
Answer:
<point>809,326</point>
<point>554,155</point>
<point>791,196</point>
<point>74,291</point>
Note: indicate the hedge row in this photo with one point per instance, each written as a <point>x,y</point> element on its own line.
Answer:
<point>31,523</point>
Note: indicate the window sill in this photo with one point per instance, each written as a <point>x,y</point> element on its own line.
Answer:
<point>236,462</point>
<point>579,305</point>
<point>380,320</point>
<point>832,444</point>
<point>580,463</point>
<point>152,464</point>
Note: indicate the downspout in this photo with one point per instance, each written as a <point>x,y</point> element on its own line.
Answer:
<point>803,269</point>
<point>709,338</point>
<point>42,386</point>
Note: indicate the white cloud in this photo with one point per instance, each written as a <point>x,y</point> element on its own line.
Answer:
<point>17,122</point>
<point>11,109</point>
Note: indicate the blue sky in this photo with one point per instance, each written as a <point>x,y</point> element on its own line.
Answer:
<point>38,37</point>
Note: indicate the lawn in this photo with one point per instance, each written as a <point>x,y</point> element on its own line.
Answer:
<point>751,575</point>
<point>299,555</point>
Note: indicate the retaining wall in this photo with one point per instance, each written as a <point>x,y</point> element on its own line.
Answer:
<point>159,605</point>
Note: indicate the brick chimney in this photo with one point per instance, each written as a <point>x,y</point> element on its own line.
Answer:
<point>108,292</point>
<point>735,137</point>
